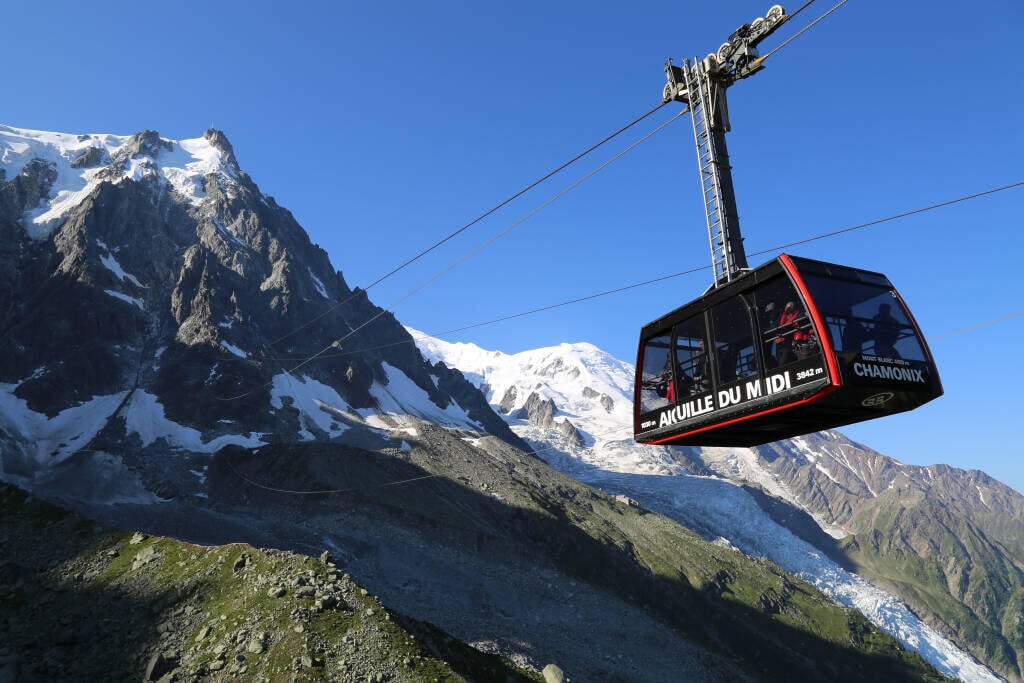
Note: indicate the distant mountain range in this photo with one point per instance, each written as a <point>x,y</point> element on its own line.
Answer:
<point>177,357</point>
<point>947,542</point>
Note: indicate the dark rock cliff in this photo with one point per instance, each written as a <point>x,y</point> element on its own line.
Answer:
<point>198,300</point>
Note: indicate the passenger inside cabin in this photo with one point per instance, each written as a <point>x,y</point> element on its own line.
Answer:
<point>670,383</point>
<point>771,321</point>
<point>788,330</point>
<point>885,332</point>
<point>701,380</point>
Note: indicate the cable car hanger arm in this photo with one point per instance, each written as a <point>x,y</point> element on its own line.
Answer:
<point>702,85</point>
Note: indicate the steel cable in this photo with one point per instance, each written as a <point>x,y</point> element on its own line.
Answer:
<point>472,222</point>
<point>686,272</point>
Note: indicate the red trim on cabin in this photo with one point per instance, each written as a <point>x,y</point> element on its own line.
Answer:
<point>819,322</point>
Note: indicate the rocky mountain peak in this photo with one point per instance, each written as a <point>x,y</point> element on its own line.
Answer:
<point>26,189</point>
<point>181,310</point>
<point>147,143</point>
<point>219,140</point>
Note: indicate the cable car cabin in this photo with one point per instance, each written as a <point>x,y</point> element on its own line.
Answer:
<point>792,347</point>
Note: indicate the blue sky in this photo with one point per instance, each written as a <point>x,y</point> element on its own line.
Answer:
<point>385,126</point>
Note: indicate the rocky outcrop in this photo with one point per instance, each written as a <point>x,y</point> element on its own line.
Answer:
<point>27,189</point>
<point>89,157</point>
<point>568,429</point>
<point>508,400</point>
<point>220,142</point>
<point>540,412</point>
<point>605,400</point>
<point>88,603</point>
<point>537,410</point>
<point>470,399</point>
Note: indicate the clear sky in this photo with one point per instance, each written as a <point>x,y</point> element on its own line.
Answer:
<point>385,126</point>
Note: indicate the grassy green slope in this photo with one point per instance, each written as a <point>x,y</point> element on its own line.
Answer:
<point>949,570</point>
<point>81,603</point>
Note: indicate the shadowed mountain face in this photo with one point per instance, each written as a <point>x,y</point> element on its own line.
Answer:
<point>160,300</point>
<point>92,604</point>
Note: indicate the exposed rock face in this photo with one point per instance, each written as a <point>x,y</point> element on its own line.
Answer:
<point>27,189</point>
<point>540,412</point>
<point>196,290</point>
<point>220,142</point>
<point>537,411</point>
<point>90,156</point>
<point>605,400</point>
<point>569,430</point>
<point>508,401</point>
<point>465,394</point>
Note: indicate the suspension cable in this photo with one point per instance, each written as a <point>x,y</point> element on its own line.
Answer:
<point>977,326</point>
<point>473,222</point>
<point>478,249</point>
<point>511,199</point>
<point>686,272</point>
<point>803,30</point>
<point>802,8</point>
<point>891,218</point>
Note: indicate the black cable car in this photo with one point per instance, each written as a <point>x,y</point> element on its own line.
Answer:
<point>792,347</point>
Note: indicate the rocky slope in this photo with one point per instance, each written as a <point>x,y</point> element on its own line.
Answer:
<point>89,604</point>
<point>950,542</point>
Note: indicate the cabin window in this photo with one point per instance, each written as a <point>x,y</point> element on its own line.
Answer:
<point>734,340</point>
<point>690,353</point>
<point>787,334</point>
<point>656,374</point>
<point>865,318</point>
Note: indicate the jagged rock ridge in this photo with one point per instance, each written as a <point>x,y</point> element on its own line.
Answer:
<point>165,284</point>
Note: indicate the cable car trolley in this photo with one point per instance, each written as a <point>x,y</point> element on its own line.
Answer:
<point>791,347</point>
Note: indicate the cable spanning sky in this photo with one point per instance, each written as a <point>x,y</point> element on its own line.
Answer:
<point>386,126</point>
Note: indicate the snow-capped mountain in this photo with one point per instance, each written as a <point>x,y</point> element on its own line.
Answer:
<point>151,294</point>
<point>574,401</point>
<point>573,404</point>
